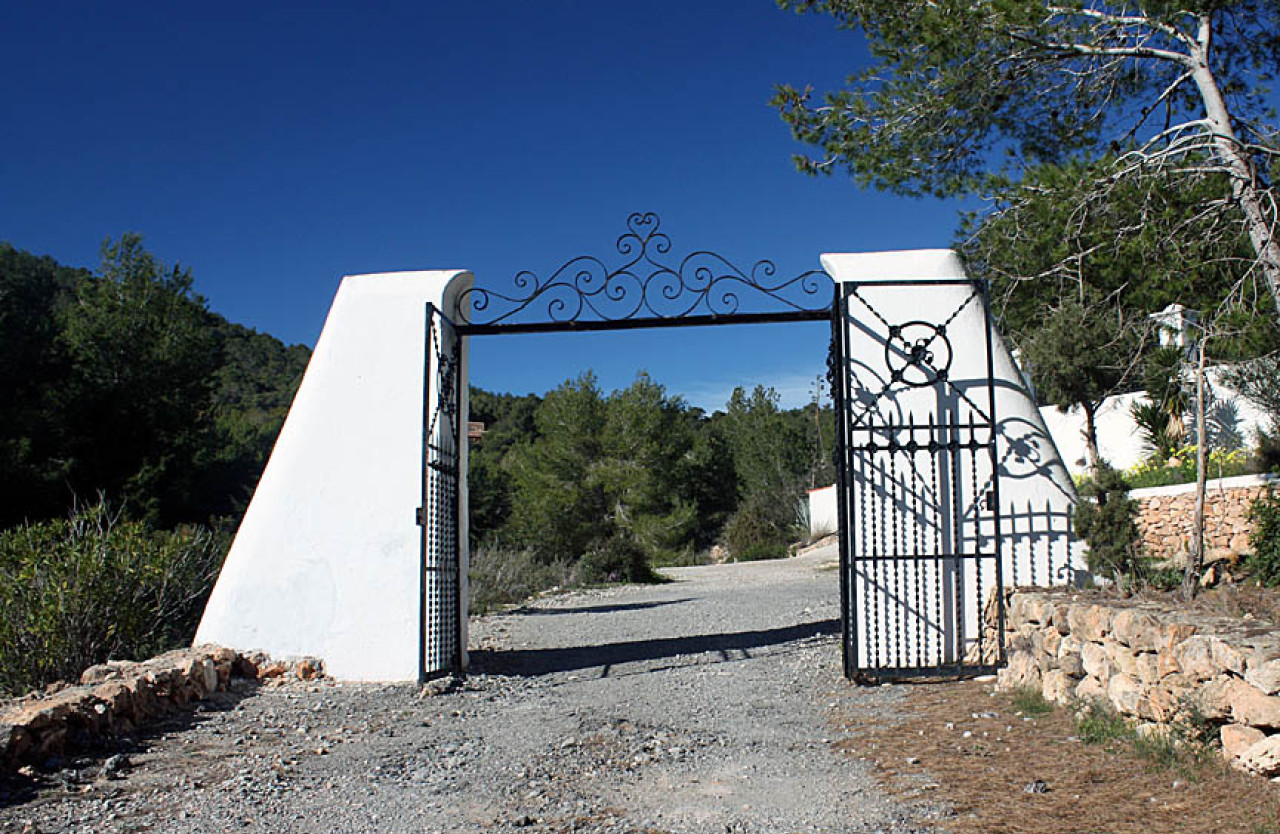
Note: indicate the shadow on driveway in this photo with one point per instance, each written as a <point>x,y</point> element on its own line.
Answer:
<point>531,662</point>
<point>602,609</point>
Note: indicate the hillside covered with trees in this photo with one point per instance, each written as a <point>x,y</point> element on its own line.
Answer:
<point>134,424</point>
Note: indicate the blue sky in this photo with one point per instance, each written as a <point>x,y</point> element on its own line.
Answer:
<point>274,149</point>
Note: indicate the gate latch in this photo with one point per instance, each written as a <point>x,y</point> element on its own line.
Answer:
<point>420,516</point>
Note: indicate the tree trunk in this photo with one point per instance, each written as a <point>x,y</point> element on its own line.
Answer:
<point>1244,181</point>
<point>1195,558</point>
<point>1091,436</point>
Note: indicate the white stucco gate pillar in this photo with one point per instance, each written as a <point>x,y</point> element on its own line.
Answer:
<point>328,560</point>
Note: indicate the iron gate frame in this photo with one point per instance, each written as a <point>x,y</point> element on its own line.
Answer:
<point>583,295</point>
<point>440,515</point>
<point>851,521</point>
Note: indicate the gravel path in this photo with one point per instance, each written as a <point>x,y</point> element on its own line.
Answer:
<point>701,705</point>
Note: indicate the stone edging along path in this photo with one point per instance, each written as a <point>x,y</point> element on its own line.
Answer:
<point>1153,665</point>
<point>119,696</point>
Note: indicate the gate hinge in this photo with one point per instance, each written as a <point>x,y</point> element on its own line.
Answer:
<point>420,516</point>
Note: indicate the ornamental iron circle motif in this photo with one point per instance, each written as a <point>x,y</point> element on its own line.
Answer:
<point>645,286</point>
<point>918,353</point>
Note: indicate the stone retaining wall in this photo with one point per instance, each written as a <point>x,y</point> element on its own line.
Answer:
<point>1165,516</point>
<point>117,697</point>
<point>1152,665</point>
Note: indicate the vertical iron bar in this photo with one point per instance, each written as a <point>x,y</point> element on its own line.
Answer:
<point>424,517</point>
<point>995,472</point>
<point>977,530</point>
<point>836,378</point>
<point>455,612</point>
<point>934,451</point>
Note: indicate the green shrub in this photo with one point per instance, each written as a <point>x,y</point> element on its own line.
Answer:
<point>1160,579</point>
<point>1030,701</point>
<point>505,576</point>
<point>83,590</point>
<point>1097,723</point>
<point>1105,518</point>
<point>616,559</point>
<point>1264,564</point>
<point>1180,467</point>
<point>1266,455</point>
<point>762,527</point>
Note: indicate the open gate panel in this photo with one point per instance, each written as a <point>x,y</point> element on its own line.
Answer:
<point>918,485</point>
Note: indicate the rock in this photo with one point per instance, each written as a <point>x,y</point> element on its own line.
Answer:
<point>15,743</point>
<point>1147,667</point>
<point>1237,738</point>
<point>1091,689</point>
<point>111,670</point>
<point>309,668</point>
<point>1250,706</point>
<point>1060,621</point>
<point>115,697</point>
<point>1096,664</point>
<point>1262,757</point>
<point>1033,608</point>
<point>1126,695</point>
<point>1136,629</point>
<point>1038,786</point>
<point>1194,657</point>
<point>272,669</point>
<point>1089,622</point>
<point>1265,675</point>
<point>1022,671</point>
<point>1050,641</point>
<point>1166,698</point>
<point>1213,699</point>
<point>1058,686</point>
<point>1227,657</point>
<point>1069,656</point>
<point>1121,657</point>
<point>115,766</point>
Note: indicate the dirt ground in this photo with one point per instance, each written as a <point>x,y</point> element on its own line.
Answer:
<point>964,745</point>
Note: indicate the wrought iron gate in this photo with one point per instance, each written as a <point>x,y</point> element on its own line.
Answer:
<point>441,513</point>
<point>917,480</point>
<point>917,484</point>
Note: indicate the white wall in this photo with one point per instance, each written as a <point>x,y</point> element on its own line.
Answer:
<point>1120,441</point>
<point>906,608</point>
<point>824,516</point>
<point>327,561</point>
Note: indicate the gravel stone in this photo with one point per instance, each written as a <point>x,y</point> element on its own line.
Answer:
<point>701,705</point>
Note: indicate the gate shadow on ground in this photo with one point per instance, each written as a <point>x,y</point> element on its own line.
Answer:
<point>602,609</point>
<point>533,662</point>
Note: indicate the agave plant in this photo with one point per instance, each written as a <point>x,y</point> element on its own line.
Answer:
<point>1161,431</point>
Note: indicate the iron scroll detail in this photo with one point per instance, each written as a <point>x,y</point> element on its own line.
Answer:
<point>644,287</point>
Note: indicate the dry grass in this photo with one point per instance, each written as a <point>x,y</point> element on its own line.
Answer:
<point>1234,599</point>
<point>1091,788</point>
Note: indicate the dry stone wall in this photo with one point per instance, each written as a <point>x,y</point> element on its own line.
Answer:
<point>1165,516</point>
<point>117,697</point>
<point>1152,665</point>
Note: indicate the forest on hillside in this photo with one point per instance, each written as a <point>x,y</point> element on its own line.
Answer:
<point>135,423</point>
<point>583,485</point>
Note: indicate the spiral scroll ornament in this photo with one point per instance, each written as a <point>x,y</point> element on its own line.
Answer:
<point>646,286</point>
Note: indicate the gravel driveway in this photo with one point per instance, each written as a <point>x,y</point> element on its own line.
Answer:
<point>701,705</point>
